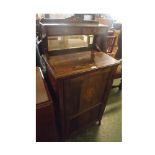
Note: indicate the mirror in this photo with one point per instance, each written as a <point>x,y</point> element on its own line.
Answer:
<point>68,42</point>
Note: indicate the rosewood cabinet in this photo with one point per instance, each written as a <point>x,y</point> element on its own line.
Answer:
<point>45,117</point>
<point>81,82</point>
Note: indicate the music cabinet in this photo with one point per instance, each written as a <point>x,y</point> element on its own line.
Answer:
<point>81,79</point>
<point>81,82</point>
<point>46,130</point>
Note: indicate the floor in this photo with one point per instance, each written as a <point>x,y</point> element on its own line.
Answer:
<point>110,129</point>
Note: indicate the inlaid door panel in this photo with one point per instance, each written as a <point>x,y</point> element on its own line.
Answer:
<point>84,92</point>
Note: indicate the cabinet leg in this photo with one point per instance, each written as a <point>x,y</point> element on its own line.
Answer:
<point>120,86</point>
<point>99,122</point>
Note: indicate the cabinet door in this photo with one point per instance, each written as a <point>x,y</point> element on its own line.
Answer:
<point>83,92</point>
<point>83,98</point>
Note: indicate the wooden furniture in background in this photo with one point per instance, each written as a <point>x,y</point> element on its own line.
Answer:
<point>45,117</point>
<point>114,49</point>
<point>104,20</point>
<point>110,44</point>
<point>117,75</point>
<point>118,56</point>
<point>81,82</point>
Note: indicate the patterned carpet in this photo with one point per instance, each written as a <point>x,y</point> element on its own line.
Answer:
<point>110,129</point>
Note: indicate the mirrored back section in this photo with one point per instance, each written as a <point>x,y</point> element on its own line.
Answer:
<point>69,42</point>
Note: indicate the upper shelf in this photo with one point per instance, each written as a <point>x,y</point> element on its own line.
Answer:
<point>52,29</point>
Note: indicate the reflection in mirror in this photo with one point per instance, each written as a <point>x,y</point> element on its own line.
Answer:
<point>68,42</point>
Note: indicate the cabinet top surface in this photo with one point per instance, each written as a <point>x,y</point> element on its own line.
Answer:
<point>70,64</point>
<point>41,93</point>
